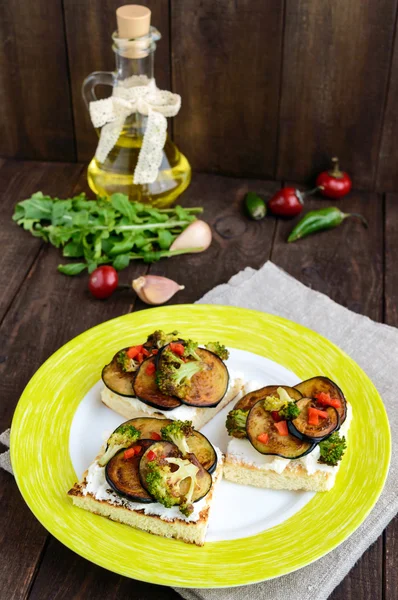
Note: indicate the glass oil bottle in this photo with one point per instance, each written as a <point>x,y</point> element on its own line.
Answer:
<point>134,45</point>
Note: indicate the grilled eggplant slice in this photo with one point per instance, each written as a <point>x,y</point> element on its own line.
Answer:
<point>208,386</point>
<point>200,446</point>
<point>316,385</point>
<point>146,390</point>
<point>167,450</point>
<point>260,421</point>
<point>198,443</point>
<point>300,427</point>
<point>123,475</point>
<point>116,379</point>
<point>250,399</point>
<point>148,426</point>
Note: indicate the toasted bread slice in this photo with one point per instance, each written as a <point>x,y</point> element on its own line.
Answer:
<point>244,465</point>
<point>292,478</point>
<point>130,408</point>
<point>170,523</point>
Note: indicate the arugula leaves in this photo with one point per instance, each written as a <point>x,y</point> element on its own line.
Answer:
<point>102,231</point>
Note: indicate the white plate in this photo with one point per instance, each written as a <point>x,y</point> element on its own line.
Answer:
<point>237,511</point>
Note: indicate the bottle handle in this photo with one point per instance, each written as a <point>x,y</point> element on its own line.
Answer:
<point>94,79</point>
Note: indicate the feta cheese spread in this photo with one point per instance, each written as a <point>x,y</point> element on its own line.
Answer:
<point>241,450</point>
<point>97,486</point>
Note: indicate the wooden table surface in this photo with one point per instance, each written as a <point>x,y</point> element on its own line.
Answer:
<point>40,310</point>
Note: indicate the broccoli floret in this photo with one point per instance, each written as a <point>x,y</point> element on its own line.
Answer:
<point>177,433</point>
<point>279,401</point>
<point>236,423</point>
<point>176,381</point>
<point>332,449</point>
<point>128,365</point>
<point>169,357</point>
<point>164,484</point>
<point>272,403</point>
<point>289,411</point>
<point>218,349</point>
<point>159,338</point>
<point>190,348</point>
<point>123,437</point>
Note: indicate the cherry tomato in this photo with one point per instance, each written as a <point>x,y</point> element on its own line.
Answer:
<point>103,282</point>
<point>334,183</point>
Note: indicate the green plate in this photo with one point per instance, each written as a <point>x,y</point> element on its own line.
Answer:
<point>44,471</point>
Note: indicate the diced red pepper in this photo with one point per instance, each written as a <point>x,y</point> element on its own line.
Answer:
<point>150,369</point>
<point>134,351</point>
<point>276,416</point>
<point>263,438</point>
<point>145,352</point>
<point>325,399</point>
<point>151,455</point>
<point>177,348</point>
<point>137,449</point>
<point>282,428</point>
<point>140,357</point>
<point>155,436</point>
<point>129,453</point>
<point>314,415</point>
<point>154,351</point>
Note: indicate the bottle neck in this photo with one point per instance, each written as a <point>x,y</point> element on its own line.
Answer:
<point>127,67</point>
<point>135,57</point>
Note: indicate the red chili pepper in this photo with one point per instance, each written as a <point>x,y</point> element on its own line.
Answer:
<point>150,369</point>
<point>134,351</point>
<point>334,183</point>
<point>155,436</point>
<point>288,202</point>
<point>263,438</point>
<point>177,348</point>
<point>282,428</point>
<point>129,453</point>
<point>276,416</point>
<point>325,399</point>
<point>151,455</point>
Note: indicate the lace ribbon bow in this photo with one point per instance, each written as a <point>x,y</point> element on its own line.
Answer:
<point>129,97</point>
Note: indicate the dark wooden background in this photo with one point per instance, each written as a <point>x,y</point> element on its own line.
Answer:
<point>270,88</point>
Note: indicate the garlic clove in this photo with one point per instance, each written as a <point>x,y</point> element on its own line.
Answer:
<point>197,237</point>
<point>153,289</point>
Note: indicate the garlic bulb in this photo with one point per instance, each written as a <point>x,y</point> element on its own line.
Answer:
<point>196,237</point>
<point>153,289</point>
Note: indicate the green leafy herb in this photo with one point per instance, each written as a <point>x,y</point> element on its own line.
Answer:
<point>102,231</point>
<point>72,268</point>
<point>121,262</point>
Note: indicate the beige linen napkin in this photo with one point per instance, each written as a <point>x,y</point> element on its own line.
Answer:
<point>375,348</point>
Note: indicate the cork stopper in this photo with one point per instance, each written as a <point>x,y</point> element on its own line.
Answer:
<point>133,21</point>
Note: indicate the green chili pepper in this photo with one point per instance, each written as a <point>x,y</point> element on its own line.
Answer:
<point>319,220</point>
<point>255,206</point>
